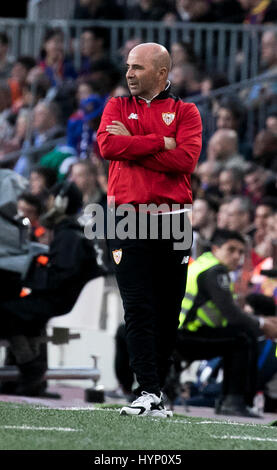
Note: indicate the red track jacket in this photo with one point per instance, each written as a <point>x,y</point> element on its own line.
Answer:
<point>141,170</point>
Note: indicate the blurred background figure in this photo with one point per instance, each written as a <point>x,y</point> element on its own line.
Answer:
<point>53,60</point>
<point>41,180</point>
<point>6,62</point>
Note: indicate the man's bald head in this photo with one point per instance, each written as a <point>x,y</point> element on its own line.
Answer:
<point>157,53</point>
<point>148,66</point>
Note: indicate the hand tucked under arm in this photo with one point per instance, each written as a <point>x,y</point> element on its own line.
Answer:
<point>117,128</point>
<point>183,157</point>
<point>116,142</point>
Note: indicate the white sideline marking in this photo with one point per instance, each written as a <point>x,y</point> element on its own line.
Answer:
<point>182,419</point>
<point>245,438</point>
<point>235,423</point>
<point>61,408</point>
<point>37,428</point>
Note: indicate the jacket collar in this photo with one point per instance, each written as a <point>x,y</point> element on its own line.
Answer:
<point>160,96</point>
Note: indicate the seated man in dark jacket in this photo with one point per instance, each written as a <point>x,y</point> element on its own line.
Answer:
<point>55,284</point>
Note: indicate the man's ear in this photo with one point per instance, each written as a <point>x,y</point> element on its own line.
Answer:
<point>163,72</point>
<point>214,249</point>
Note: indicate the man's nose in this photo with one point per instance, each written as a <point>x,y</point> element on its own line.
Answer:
<point>130,73</point>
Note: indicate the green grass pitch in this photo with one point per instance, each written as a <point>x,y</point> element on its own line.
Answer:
<point>25,427</point>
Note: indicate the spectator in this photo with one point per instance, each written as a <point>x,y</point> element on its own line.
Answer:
<point>83,124</point>
<point>271,119</point>
<point>46,123</point>
<point>259,11</point>
<point>120,90</point>
<point>84,175</point>
<point>19,74</point>
<point>186,80</point>
<point>126,48</point>
<point>41,180</point>
<point>105,75</point>
<point>182,53</point>
<point>30,206</point>
<point>265,149</point>
<point>212,82</point>
<point>268,51</point>
<point>256,179</point>
<point>230,181</point>
<point>20,134</point>
<point>223,147</point>
<point>6,128</point>
<point>203,224</point>
<point>93,48</point>
<point>222,214</point>
<point>178,81</point>
<point>57,67</point>
<point>231,114</point>
<point>240,215</point>
<point>264,210</point>
<point>34,89</point>
<point>45,127</point>
<point>267,283</point>
<point>266,90</point>
<point>208,173</point>
<point>6,62</point>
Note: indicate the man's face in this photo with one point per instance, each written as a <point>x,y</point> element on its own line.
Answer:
<point>222,216</point>
<point>142,75</point>
<point>225,119</point>
<point>37,183</point>
<point>254,182</point>
<point>230,254</point>
<point>89,44</point>
<point>41,117</point>
<point>271,124</point>
<point>200,213</point>
<point>271,227</point>
<point>237,219</point>
<point>85,180</point>
<point>226,182</point>
<point>261,215</point>
<point>268,46</point>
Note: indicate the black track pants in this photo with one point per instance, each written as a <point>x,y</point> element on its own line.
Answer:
<point>152,280</point>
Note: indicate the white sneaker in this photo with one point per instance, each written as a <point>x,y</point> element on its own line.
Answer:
<point>148,404</point>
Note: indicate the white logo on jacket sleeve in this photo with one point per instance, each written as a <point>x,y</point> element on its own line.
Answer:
<point>168,118</point>
<point>133,116</point>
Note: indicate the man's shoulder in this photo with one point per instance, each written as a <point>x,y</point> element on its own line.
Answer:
<point>186,108</point>
<point>218,275</point>
<point>117,101</point>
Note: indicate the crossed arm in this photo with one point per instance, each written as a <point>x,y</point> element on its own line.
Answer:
<point>155,152</point>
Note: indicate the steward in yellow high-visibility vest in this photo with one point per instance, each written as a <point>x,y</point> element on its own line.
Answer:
<point>197,311</point>
<point>212,325</point>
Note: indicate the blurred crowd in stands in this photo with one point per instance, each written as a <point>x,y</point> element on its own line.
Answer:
<point>50,112</point>
<point>46,99</point>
